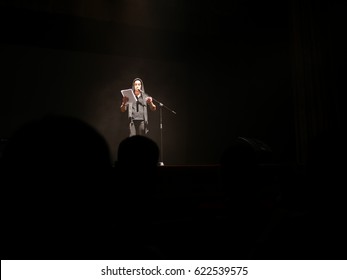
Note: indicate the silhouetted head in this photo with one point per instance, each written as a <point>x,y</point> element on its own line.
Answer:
<point>138,151</point>
<point>57,142</point>
<point>239,156</point>
<point>137,167</point>
<point>240,168</point>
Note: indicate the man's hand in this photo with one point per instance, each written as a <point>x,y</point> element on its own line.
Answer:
<point>149,100</point>
<point>125,99</point>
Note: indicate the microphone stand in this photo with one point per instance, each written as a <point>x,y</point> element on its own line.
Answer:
<point>161,105</point>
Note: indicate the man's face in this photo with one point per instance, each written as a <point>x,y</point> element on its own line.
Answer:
<point>137,85</point>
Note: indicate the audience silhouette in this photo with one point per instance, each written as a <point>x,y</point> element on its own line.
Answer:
<point>249,195</point>
<point>315,229</point>
<point>137,169</point>
<point>137,162</point>
<point>57,184</point>
<point>63,198</point>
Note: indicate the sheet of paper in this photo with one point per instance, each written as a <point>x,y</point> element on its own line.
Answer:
<point>130,94</point>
